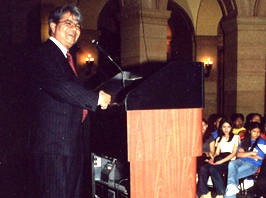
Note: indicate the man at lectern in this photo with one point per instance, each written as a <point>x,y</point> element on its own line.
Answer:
<point>59,104</point>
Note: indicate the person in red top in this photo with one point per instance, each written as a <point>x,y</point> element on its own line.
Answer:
<point>252,117</point>
<point>263,133</point>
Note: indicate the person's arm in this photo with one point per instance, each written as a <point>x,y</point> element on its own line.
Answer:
<point>230,156</point>
<point>251,154</point>
<point>51,78</point>
<point>212,149</point>
<point>217,152</point>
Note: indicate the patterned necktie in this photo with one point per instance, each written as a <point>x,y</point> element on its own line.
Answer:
<point>71,63</point>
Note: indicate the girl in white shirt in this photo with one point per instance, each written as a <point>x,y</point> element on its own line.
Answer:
<point>226,148</point>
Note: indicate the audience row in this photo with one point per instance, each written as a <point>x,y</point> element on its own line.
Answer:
<point>232,149</point>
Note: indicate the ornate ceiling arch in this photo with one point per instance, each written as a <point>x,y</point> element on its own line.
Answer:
<point>248,8</point>
<point>151,4</point>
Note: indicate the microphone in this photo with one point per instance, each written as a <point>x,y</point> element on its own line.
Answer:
<point>94,42</point>
<point>99,47</point>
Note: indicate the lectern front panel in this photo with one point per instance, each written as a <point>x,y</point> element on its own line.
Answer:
<point>162,150</point>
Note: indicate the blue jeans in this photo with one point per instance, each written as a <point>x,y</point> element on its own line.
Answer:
<point>238,169</point>
<point>203,176</point>
<point>216,172</point>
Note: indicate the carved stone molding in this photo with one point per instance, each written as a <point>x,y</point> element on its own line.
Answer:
<point>148,16</point>
<point>260,22</point>
<point>144,4</point>
<point>244,23</point>
<point>143,35</point>
<point>231,8</point>
<point>228,7</point>
<point>246,7</point>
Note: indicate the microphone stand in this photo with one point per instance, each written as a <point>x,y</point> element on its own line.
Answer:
<point>96,43</point>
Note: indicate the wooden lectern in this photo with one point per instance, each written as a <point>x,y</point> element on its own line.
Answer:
<point>163,126</point>
<point>162,150</point>
<point>164,132</point>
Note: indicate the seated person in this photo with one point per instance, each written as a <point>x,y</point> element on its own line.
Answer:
<point>252,117</point>
<point>226,148</point>
<point>249,156</point>
<point>238,122</point>
<point>214,121</point>
<point>261,181</point>
<point>208,145</point>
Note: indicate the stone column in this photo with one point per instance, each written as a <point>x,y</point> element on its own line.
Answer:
<point>143,35</point>
<point>244,64</point>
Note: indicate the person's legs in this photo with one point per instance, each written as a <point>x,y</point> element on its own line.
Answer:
<point>238,169</point>
<point>203,179</point>
<point>246,169</point>
<point>232,177</point>
<point>75,177</point>
<point>216,172</point>
<point>57,176</point>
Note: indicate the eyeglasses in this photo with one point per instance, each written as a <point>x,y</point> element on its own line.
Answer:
<point>71,24</point>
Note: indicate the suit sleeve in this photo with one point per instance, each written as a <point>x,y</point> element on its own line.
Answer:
<point>50,76</point>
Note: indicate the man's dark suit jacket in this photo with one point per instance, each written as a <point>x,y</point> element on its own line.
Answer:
<point>57,99</point>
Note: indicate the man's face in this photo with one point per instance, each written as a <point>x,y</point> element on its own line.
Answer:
<point>238,123</point>
<point>67,30</point>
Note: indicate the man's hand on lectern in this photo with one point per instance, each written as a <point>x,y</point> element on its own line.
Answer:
<point>104,99</point>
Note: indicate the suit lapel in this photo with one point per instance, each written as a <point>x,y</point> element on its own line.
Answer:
<point>60,59</point>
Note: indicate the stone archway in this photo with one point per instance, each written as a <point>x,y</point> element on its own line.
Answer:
<point>243,25</point>
<point>182,41</point>
<point>108,28</point>
<point>143,31</point>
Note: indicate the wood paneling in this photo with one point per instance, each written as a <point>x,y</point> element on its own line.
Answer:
<point>173,178</point>
<point>162,150</point>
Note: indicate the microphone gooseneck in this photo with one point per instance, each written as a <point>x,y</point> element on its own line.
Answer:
<point>99,47</point>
